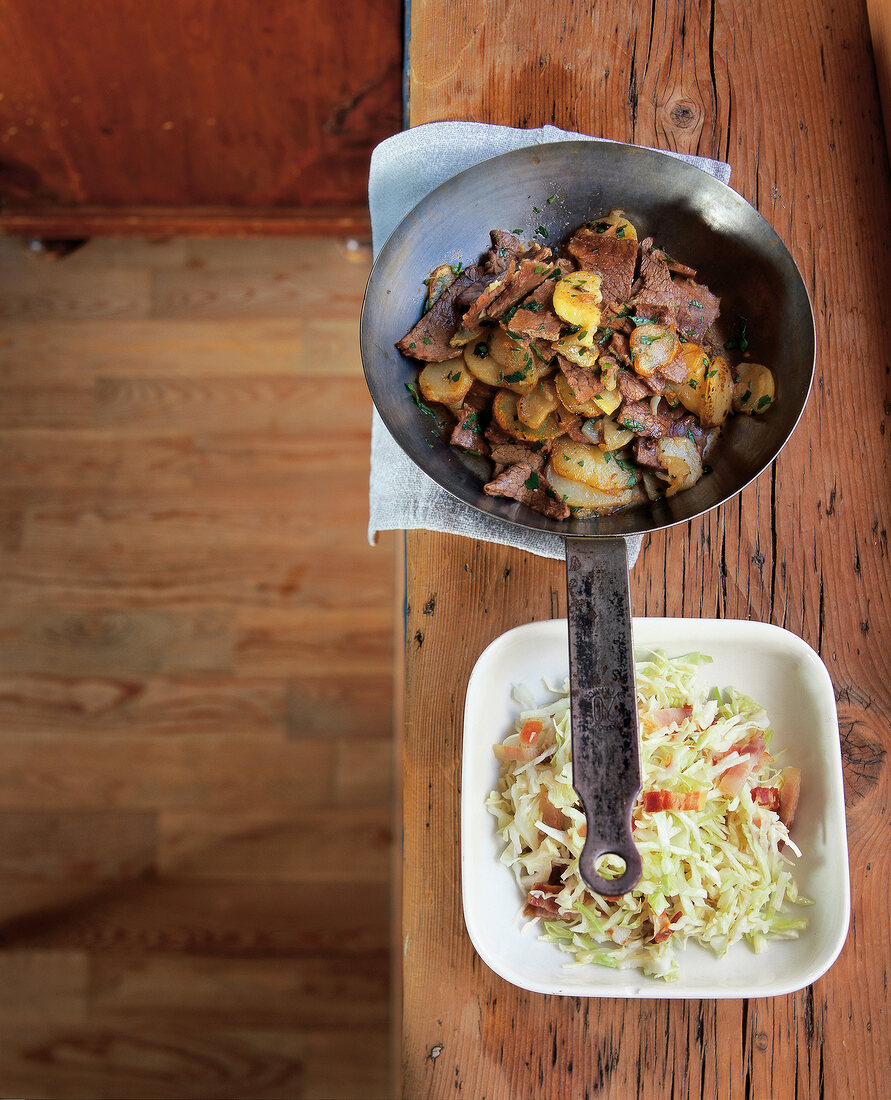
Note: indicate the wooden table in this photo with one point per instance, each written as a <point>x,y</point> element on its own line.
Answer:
<point>787,94</point>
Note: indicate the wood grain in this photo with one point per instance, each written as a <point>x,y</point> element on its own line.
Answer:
<point>196,117</point>
<point>196,654</point>
<point>805,547</point>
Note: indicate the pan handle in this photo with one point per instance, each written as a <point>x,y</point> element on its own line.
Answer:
<point>603,706</point>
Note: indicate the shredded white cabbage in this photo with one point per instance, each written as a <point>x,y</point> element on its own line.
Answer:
<point>714,875</point>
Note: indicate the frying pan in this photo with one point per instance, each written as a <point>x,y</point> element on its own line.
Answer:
<point>547,191</point>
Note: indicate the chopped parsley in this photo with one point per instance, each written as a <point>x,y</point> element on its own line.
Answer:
<point>457,268</point>
<point>710,373</point>
<point>541,231</point>
<point>471,422</point>
<point>427,340</point>
<point>552,199</point>
<point>517,376</point>
<point>456,377</point>
<point>694,302</point>
<point>532,481</point>
<point>620,232</point>
<point>516,231</point>
<point>419,401</point>
<point>481,351</point>
<point>539,268</point>
<point>740,338</point>
<point>763,403</point>
<point>535,210</point>
<point>638,321</point>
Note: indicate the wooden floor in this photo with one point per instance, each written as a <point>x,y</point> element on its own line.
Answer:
<point>196,654</point>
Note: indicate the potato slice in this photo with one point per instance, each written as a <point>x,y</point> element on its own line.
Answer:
<point>587,498</point>
<point>534,407</point>
<point>520,365</point>
<point>682,463</point>
<point>652,347</point>
<point>446,383</point>
<point>485,367</point>
<point>717,393</point>
<point>577,302</point>
<point>615,224</point>
<point>587,463</point>
<point>696,363</point>
<point>755,388</point>
<point>504,410</point>
<point>579,351</point>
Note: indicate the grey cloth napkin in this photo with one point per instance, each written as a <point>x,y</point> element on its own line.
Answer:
<point>404,169</point>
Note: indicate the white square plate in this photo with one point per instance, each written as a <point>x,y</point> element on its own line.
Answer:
<point>778,670</point>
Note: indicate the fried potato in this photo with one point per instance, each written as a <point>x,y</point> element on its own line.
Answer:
<point>587,498</point>
<point>652,347</point>
<point>520,366</point>
<point>696,363</point>
<point>615,224</point>
<point>717,393</point>
<point>587,463</point>
<point>504,410</point>
<point>535,406</point>
<point>482,364</point>
<point>577,302</point>
<point>682,463</point>
<point>606,402</point>
<point>755,388</point>
<point>446,383</point>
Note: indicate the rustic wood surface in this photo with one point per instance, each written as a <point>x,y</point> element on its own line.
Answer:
<point>788,95</point>
<point>195,704</point>
<point>193,116</point>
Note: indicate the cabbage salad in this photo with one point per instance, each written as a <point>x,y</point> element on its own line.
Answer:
<point>711,823</point>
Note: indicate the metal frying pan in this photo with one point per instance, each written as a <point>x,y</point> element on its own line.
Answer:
<point>739,256</point>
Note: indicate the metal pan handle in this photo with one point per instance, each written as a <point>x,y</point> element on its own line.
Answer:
<point>603,701</point>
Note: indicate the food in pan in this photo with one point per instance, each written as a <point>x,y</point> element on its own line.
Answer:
<point>711,824</point>
<point>592,379</point>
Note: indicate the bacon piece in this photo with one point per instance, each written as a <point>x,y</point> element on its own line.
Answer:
<point>550,815</point>
<point>521,753</point>
<point>733,779</point>
<point>670,714</point>
<point>654,801</point>
<point>541,898</point>
<point>767,796</point>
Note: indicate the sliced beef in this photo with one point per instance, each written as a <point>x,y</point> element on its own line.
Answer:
<point>529,274</point>
<point>675,266</point>
<point>612,258</point>
<point>572,427</point>
<point>472,322</point>
<point>534,316</point>
<point>638,417</point>
<point>620,347</point>
<point>515,484</point>
<point>512,451</point>
<point>583,383</point>
<point>631,386</point>
<point>675,371</point>
<point>654,289</point>
<point>689,426</point>
<point>467,433</point>
<point>429,339</point>
<point>645,452</point>
<point>697,308</point>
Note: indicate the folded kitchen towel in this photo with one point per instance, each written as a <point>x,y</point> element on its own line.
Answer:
<point>404,169</point>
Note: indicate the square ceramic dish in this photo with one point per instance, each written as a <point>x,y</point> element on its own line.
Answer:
<point>777,669</point>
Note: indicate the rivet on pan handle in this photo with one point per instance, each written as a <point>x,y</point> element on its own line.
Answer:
<point>603,699</point>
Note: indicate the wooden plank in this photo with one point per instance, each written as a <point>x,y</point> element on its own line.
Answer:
<point>134,773</point>
<point>305,705</point>
<point>129,113</point>
<point>345,838</point>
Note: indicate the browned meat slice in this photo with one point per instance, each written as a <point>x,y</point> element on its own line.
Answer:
<point>583,383</point>
<point>573,428</point>
<point>534,316</point>
<point>514,451</point>
<point>689,426</point>
<point>612,258</point>
<point>638,417</point>
<point>467,433</point>
<point>655,382</point>
<point>697,308</point>
<point>654,289</point>
<point>645,452</point>
<point>429,339</point>
<point>472,322</point>
<point>526,485</point>
<point>631,386</point>
<point>675,266</point>
<point>675,371</point>
<point>529,274</point>
<point>496,435</point>
<point>619,346</point>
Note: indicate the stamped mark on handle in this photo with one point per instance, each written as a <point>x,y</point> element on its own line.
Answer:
<point>603,707</point>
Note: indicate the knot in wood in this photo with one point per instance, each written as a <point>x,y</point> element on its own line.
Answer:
<point>684,114</point>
